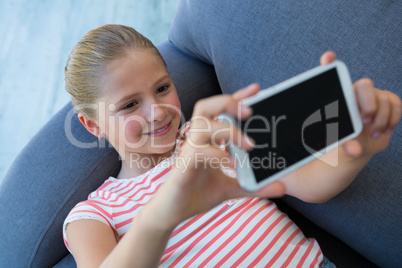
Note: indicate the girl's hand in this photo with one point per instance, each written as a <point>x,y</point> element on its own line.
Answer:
<point>380,111</point>
<point>201,185</point>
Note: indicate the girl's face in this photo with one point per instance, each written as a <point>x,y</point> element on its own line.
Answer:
<point>142,109</point>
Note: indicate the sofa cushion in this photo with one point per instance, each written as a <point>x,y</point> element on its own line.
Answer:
<point>269,41</point>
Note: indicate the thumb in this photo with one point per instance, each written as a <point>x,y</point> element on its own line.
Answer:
<point>353,148</point>
<point>273,190</point>
<point>327,57</point>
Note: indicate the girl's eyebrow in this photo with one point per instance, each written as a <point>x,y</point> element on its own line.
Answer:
<point>124,98</point>
<point>161,79</point>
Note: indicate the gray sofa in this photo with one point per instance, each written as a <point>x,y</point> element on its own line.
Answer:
<point>215,47</point>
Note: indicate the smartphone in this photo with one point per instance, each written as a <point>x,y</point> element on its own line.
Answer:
<point>295,122</point>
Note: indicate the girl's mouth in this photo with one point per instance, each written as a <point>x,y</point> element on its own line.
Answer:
<point>161,131</point>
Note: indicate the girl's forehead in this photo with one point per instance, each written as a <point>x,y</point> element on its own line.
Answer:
<point>136,73</point>
<point>134,58</point>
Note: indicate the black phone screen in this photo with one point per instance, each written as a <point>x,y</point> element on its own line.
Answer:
<point>293,124</point>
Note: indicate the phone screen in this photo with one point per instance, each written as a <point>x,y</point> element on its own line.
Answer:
<point>293,124</point>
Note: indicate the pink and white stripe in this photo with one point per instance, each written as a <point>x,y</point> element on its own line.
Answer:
<point>246,232</point>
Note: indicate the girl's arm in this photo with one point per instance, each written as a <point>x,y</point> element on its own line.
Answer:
<point>317,182</point>
<point>143,245</point>
<point>93,243</point>
<point>90,242</point>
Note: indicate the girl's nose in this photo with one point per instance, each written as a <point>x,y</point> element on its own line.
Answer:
<point>157,112</point>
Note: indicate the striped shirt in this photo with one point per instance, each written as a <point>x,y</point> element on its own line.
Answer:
<point>244,232</point>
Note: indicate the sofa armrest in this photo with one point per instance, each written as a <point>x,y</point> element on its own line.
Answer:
<point>46,180</point>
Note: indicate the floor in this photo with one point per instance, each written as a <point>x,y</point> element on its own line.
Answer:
<point>35,39</point>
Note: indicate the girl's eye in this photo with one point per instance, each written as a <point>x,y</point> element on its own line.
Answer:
<point>129,105</point>
<point>161,89</point>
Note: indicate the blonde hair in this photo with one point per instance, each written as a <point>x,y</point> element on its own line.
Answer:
<point>88,62</point>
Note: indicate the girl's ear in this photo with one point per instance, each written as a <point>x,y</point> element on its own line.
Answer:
<point>90,125</point>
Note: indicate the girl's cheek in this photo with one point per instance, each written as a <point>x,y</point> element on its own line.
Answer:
<point>132,129</point>
<point>176,106</point>
<point>176,110</point>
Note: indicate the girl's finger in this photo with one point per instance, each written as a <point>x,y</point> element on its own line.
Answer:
<point>274,190</point>
<point>396,111</point>
<point>214,106</point>
<point>381,119</point>
<point>366,99</point>
<point>246,92</point>
<point>210,157</point>
<point>204,133</point>
<point>327,57</point>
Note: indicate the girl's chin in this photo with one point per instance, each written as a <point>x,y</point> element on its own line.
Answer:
<point>157,149</point>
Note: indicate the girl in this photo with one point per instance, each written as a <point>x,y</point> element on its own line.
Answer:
<point>171,204</point>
